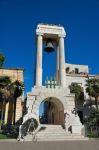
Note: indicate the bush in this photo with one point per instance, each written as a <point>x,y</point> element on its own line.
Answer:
<point>92,135</point>
<point>10,130</point>
<point>92,124</point>
<point>3,136</point>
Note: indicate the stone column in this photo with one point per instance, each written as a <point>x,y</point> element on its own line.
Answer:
<point>57,64</point>
<point>6,113</point>
<point>18,113</point>
<point>62,62</point>
<point>39,61</point>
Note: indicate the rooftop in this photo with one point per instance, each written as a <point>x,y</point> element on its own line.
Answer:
<point>13,68</point>
<point>58,25</point>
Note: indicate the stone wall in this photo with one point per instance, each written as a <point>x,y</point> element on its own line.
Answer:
<point>14,74</point>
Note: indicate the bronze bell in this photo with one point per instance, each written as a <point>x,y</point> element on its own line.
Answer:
<point>49,46</point>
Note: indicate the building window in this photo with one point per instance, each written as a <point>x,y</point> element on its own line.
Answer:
<point>67,70</point>
<point>76,71</point>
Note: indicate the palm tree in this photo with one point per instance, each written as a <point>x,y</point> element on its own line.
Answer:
<point>2,59</point>
<point>16,91</point>
<point>77,90</point>
<point>4,93</point>
<point>93,89</point>
<point>9,91</point>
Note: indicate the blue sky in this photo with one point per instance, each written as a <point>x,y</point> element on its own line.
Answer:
<point>18,20</point>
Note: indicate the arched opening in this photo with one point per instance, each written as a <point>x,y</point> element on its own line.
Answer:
<point>51,111</point>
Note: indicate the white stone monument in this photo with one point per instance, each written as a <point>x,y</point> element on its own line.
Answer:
<point>60,101</point>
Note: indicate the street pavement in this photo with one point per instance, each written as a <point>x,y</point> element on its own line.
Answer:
<point>59,145</point>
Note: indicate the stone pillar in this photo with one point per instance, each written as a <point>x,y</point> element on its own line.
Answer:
<point>39,61</point>
<point>57,64</point>
<point>18,113</point>
<point>6,113</point>
<point>62,62</point>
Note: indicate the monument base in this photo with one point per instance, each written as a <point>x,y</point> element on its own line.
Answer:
<point>63,110</point>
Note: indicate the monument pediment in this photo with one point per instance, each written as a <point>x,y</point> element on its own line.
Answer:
<point>50,29</point>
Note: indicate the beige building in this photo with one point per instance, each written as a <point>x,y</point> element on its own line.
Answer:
<point>14,74</point>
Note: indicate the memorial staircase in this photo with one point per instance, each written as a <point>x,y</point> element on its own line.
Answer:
<point>52,133</point>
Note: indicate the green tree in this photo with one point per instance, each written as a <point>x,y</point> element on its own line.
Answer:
<point>93,119</point>
<point>9,91</point>
<point>4,93</point>
<point>16,90</point>
<point>92,123</point>
<point>93,89</point>
<point>2,59</point>
<point>78,91</point>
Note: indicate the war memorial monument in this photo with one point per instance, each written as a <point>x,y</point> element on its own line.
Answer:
<point>62,123</point>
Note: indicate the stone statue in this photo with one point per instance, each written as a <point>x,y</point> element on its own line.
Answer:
<point>20,133</point>
<point>67,122</point>
<point>31,126</point>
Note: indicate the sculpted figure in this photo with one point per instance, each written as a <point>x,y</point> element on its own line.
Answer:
<point>67,124</point>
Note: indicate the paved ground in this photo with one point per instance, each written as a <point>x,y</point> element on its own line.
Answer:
<point>64,145</point>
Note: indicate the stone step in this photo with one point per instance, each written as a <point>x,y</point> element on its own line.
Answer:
<point>48,132</point>
<point>53,127</point>
<point>60,136</point>
<point>52,130</point>
<point>60,139</point>
<point>54,138</point>
<point>50,125</point>
<point>53,133</point>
